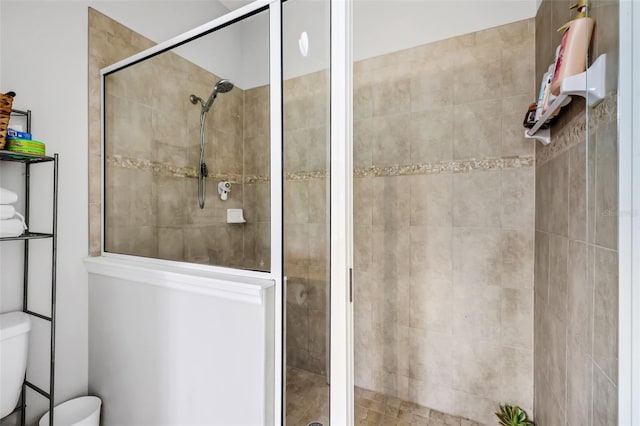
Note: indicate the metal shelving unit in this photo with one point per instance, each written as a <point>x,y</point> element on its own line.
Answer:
<point>28,160</point>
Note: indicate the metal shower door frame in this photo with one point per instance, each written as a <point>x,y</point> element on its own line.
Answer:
<point>341,403</point>
<point>629,215</point>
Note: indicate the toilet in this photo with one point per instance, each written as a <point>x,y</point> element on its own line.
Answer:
<point>14,342</point>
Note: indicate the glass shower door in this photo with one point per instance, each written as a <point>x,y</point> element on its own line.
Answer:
<point>306,209</point>
<point>317,212</point>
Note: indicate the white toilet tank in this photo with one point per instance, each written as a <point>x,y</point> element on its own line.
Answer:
<point>14,341</point>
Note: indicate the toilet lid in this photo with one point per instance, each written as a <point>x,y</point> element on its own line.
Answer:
<point>13,324</point>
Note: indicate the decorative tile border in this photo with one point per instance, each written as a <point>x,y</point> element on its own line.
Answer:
<point>312,175</point>
<point>606,112</point>
<point>166,169</point>
<point>454,166</point>
<point>575,131</point>
<point>256,179</point>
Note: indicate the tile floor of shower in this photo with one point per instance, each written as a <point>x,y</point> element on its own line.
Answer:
<point>308,401</point>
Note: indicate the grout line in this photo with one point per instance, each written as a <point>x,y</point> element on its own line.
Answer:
<point>567,345</point>
<point>595,363</point>
<point>591,263</point>
<point>591,363</point>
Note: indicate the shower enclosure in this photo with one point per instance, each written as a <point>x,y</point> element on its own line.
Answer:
<point>430,262</point>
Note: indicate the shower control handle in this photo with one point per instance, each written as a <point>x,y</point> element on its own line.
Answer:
<point>224,188</point>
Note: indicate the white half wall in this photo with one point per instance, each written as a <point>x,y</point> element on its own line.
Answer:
<point>167,352</point>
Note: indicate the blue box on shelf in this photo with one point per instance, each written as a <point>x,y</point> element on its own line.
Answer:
<point>11,133</point>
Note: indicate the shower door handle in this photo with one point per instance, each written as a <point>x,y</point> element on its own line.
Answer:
<point>351,285</point>
<point>284,339</point>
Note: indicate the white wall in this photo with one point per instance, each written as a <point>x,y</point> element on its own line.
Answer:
<point>382,26</point>
<point>311,16</point>
<point>379,27</point>
<point>47,67</point>
<point>183,358</point>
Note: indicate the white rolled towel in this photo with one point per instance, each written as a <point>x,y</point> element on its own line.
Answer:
<point>7,211</point>
<point>12,227</point>
<point>7,197</point>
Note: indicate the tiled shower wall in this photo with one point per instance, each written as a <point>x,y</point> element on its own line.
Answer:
<point>256,201</point>
<point>109,42</point>
<point>153,140</point>
<point>305,220</point>
<point>576,259</point>
<point>444,223</point>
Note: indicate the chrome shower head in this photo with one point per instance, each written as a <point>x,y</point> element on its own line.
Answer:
<point>223,86</point>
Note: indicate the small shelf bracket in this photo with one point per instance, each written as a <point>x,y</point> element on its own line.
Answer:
<point>590,85</point>
<point>593,80</point>
<point>543,135</point>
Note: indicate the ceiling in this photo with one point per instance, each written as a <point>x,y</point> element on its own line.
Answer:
<point>234,4</point>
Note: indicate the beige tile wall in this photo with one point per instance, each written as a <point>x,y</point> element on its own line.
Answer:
<point>108,43</point>
<point>153,139</point>
<point>256,163</point>
<point>149,118</point>
<point>576,243</point>
<point>444,259</point>
<point>306,243</point>
<point>305,220</point>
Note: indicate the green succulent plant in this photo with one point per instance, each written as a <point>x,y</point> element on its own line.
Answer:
<point>510,415</point>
